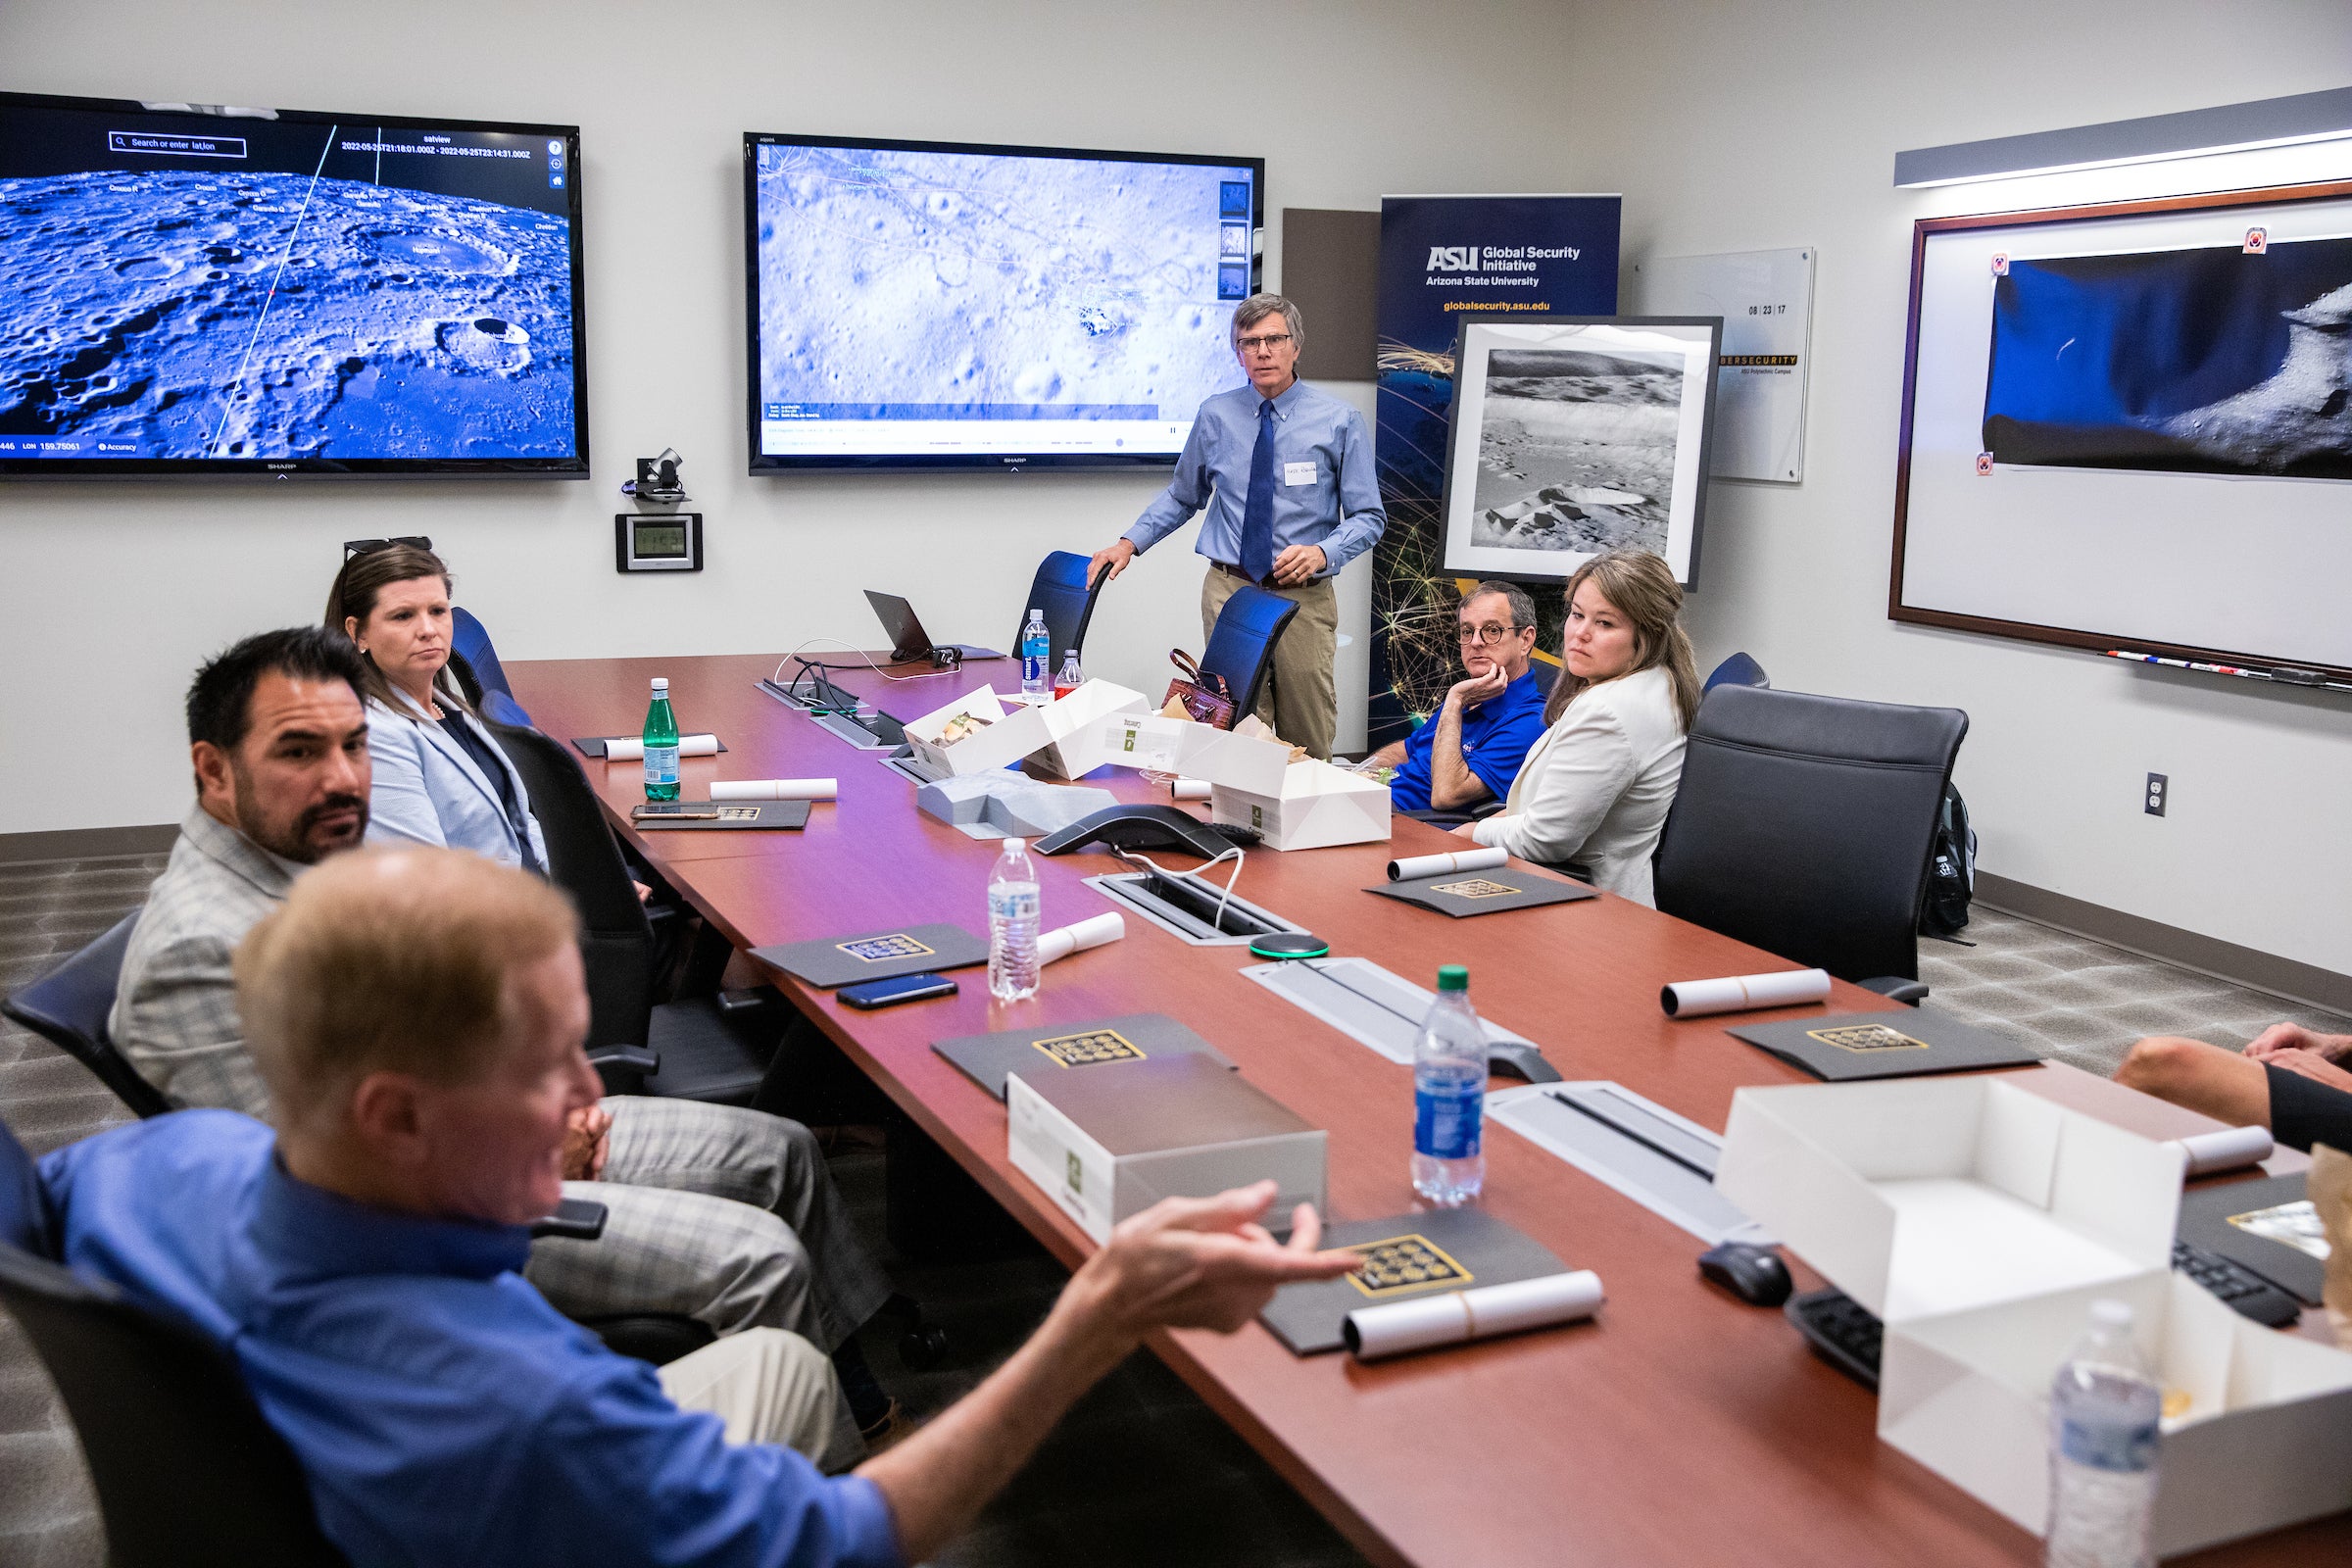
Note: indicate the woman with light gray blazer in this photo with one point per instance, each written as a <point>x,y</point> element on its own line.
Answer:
<point>1595,789</point>
<point>441,777</point>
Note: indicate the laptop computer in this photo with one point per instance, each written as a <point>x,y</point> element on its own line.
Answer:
<point>907,639</point>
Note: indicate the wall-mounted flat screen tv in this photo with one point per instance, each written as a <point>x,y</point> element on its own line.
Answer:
<point>209,291</point>
<point>952,305</point>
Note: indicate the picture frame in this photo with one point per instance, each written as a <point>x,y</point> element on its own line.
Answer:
<point>1572,436</point>
<point>2059,511</point>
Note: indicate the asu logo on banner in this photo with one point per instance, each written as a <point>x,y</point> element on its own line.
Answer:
<point>1452,259</point>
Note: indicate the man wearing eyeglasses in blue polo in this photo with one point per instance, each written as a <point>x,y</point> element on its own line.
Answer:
<point>1286,473</point>
<point>1472,745</point>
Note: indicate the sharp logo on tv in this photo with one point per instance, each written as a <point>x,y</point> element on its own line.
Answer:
<point>313,294</point>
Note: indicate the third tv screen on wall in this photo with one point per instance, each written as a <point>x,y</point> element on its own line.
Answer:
<point>954,305</point>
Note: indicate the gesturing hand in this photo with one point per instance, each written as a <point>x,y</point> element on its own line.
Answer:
<point>1298,564</point>
<point>1205,1262</point>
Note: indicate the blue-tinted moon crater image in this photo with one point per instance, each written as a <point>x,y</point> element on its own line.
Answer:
<point>252,315</point>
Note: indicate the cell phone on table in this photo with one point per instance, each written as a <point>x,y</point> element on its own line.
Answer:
<point>873,994</point>
<point>689,811</point>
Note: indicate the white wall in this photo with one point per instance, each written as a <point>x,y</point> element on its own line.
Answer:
<point>1729,125</point>
<point>1750,125</point>
<point>111,593</point>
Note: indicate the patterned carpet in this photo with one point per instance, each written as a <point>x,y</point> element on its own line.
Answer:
<point>1207,1497</point>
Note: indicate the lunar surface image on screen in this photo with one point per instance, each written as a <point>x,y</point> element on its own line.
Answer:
<point>900,285</point>
<point>256,314</point>
<point>1576,450</point>
<point>2215,360</point>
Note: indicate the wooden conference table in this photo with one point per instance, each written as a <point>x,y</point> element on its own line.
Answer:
<point>1679,1427</point>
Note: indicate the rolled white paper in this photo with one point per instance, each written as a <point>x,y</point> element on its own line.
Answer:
<point>1456,1317</point>
<point>776,789</point>
<point>1421,866</point>
<point>631,748</point>
<point>1109,926</point>
<point>1190,789</point>
<point>1691,999</point>
<point>2229,1148</point>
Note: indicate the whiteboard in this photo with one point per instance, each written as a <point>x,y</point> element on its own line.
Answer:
<point>2247,567</point>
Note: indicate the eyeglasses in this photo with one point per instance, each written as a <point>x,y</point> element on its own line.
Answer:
<point>1488,633</point>
<point>1266,343</point>
<point>369,547</point>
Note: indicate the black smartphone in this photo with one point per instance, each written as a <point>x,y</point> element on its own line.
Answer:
<point>890,993</point>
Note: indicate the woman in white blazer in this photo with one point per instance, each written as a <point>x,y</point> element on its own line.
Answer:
<point>1596,788</point>
<point>441,777</point>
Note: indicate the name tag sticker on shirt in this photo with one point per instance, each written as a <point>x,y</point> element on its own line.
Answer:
<point>1297,474</point>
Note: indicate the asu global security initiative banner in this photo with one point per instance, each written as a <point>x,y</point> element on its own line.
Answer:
<point>1444,260</point>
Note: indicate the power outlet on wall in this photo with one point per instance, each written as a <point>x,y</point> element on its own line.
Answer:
<point>2158,787</point>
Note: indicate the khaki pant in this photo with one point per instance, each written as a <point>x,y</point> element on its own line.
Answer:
<point>770,1386</point>
<point>1301,697</point>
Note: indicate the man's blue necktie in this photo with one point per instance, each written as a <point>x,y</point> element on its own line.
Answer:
<point>1258,511</point>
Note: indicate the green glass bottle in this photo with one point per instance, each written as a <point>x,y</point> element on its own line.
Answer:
<point>660,746</point>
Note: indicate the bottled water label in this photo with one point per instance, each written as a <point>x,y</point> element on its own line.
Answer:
<point>2125,1446</point>
<point>1446,1120</point>
<point>660,764</point>
<point>1012,904</point>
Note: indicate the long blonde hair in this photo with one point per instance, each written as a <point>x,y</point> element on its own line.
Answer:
<point>1640,586</point>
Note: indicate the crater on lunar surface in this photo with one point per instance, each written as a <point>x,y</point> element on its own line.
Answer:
<point>209,313</point>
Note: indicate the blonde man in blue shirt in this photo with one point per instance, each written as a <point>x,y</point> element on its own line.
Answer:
<point>1286,474</point>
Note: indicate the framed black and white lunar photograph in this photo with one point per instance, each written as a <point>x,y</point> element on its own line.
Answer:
<point>1575,435</point>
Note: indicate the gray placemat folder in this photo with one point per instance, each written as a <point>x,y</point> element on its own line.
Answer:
<point>1463,1248</point>
<point>1906,1043</point>
<point>734,816</point>
<point>1466,893</point>
<point>990,1059</point>
<point>876,954</point>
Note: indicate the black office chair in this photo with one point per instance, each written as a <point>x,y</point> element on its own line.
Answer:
<point>188,1474</point>
<point>1060,591</point>
<point>1737,670</point>
<point>69,1008</point>
<point>1241,650</point>
<point>1803,825</point>
<point>713,1048</point>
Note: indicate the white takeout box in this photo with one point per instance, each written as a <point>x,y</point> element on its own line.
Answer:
<point>1316,805</point>
<point>1147,740</point>
<point>1237,761</point>
<point>1082,728</point>
<point>1013,731</point>
<point>1979,1222</point>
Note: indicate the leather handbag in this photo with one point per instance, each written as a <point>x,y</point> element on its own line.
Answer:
<point>1207,698</point>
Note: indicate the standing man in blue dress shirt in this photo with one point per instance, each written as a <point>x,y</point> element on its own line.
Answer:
<point>1471,749</point>
<point>1286,473</point>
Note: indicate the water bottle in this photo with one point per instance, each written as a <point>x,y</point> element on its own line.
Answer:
<point>1071,676</point>
<point>660,746</point>
<point>2104,1414</point>
<point>1012,925</point>
<point>1037,655</point>
<point>1450,1090</point>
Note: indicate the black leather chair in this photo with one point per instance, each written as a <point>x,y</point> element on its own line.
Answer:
<point>1802,826</point>
<point>188,1474</point>
<point>1737,670</point>
<point>1060,591</point>
<point>69,1007</point>
<point>711,1048</point>
<point>1241,650</point>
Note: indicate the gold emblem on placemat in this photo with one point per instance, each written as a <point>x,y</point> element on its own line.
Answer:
<point>1086,1049</point>
<point>1478,887</point>
<point>1402,1263</point>
<point>881,949</point>
<point>1866,1037</point>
